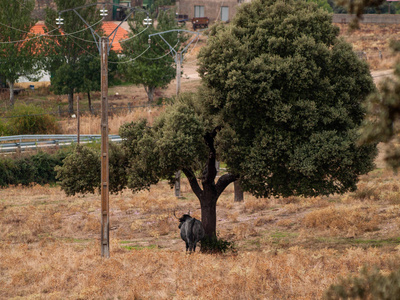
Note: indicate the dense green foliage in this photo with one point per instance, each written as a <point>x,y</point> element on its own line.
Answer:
<point>38,168</point>
<point>154,69</point>
<point>175,141</point>
<point>80,171</point>
<point>17,59</point>
<point>369,285</point>
<point>289,96</point>
<point>29,119</point>
<point>324,4</point>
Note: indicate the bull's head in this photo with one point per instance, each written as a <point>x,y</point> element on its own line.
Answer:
<point>183,218</point>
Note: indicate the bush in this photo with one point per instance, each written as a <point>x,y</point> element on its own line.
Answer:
<point>38,168</point>
<point>3,128</point>
<point>30,119</point>
<point>216,245</point>
<point>80,172</point>
<point>369,285</point>
<point>6,172</point>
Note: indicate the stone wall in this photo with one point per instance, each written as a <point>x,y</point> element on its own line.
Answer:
<point>370,18</point>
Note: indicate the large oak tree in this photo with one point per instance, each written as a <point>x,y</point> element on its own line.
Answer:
<point>281,104</point>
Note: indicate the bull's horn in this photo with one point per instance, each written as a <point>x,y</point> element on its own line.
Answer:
<point>175,215</point>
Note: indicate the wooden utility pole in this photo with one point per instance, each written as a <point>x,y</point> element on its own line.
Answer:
<point>178,72</point>
<point>105,220</point>
<point>178,88</point>
<point>78,127</point>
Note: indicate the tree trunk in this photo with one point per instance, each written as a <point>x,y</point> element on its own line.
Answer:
<point>12,99</point>
<point>150,93</point>
<point>208,196</point>
<point>90,103</point>
<point>238,191</point>
<point>71,103</point>
<point>209,217</point>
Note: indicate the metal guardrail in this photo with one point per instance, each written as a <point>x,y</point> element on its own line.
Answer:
<point>18,143</point>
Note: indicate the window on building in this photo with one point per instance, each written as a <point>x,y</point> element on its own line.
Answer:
<point>198,11</point>
<point>224,13</point>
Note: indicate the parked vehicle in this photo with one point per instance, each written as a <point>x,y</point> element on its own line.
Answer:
<point>201,22</point>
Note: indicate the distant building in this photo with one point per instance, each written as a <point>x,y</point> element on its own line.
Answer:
<point>215,10</point>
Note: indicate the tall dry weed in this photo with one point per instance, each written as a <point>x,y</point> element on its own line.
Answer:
<point>90,124</point>
<point>350,221</point>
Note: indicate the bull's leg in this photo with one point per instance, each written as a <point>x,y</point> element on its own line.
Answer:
<point>191,246</point>
<point>194,246</point>
<point>187,246</point>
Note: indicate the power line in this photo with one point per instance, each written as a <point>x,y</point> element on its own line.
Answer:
<point>133,59</point>
<point>25,40</point>
<point>50,35</point>
<point>121,41</point>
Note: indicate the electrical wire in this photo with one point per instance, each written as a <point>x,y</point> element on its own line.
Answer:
<point>5,25</point>
<point>46,34</point>
<point>133,59</point>
<point>160,57</point>
<point>25,40</point>
<point>84,49</point>
<point>121,41</point>
<point>116,62</point>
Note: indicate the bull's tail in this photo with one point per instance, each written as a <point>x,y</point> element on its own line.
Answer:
<point>191,224</point>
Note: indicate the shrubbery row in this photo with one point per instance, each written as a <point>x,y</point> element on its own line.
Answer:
<point>38,168</point>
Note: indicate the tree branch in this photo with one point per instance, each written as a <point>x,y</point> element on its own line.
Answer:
<point>210,171</point>
<point>224,181</point>
<point>193,182</point>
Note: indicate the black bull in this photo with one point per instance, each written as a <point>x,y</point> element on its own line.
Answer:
<point>191,231</point>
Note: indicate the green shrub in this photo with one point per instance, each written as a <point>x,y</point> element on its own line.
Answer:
<point>3,128</point>
<point>44,165</point>
<point>80,172</point>
<point>369,285</point>
<point>6,172</point>
<point>30,119</point>
<point>38,168</point>
<point>216,245</point>
<point>118,161</point>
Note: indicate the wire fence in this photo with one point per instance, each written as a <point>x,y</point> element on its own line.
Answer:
<point>63,111</point>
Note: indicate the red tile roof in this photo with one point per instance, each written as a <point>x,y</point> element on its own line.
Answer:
<point>121,34</point>
<point>107,27</point>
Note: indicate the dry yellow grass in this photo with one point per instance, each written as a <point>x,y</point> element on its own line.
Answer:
<point>373,40</point>
<point>287,248</point>
<point>90,124</point>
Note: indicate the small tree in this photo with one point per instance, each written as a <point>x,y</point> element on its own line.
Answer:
<point>280,105</point>
<point>17,58</point>
<point>155,68</point>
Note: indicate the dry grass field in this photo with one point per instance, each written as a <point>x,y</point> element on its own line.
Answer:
<point>286,248</point>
